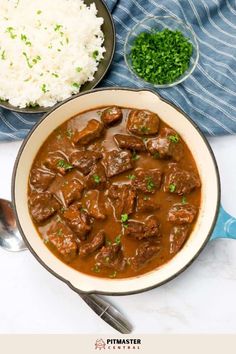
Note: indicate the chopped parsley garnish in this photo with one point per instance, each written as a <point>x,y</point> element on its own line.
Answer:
<point>113,275</point>
<point>146,198</point>
<point>96,179</point>
<point>55,75</point>
<point>131,177</point>
<point>10,31</point>
<point>38,12</point>
<point>118,239</point>
<point>161,57</point>
<point>3,55</point>
<point>69,133</point>
<point>124,218</point>
<point>150,184</point>
<point>76,85</point>
<point>59,232</point>
<point>144,129</point>
<point>172,187</point>
<point>95,54</point>
<point>65,165</point>
<point>24,38</point>
<point>79,69</point>
<point>156,155</point>
<point>57,27</point>
<point>96,268</point>
<point>184,200</point>
<point>135,157</point>
<point>173,138</point>
<point>44,88</point>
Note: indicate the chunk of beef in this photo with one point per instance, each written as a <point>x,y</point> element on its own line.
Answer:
<point>143,230</point>
<point>180,181</point>
<point>147,181</point>
<point>78,220</point>
<point>129,142</point>
<point>85,160</point>
<point>178,236</point>
<point>42,206</point>
<point>143,122</point>
<point>70,191</point>
<point>116,162</point>
<point>144,254</point>
<point>92,246</point>
<point>62,239</point>
<point>166,145</point>
<point>41,179</point>
<point>58,162</point>
<point>122,197</point>
<point>111,257</point>
<point>92,131</point>
<point>94,206</point>
<point>97,178</point>
<point>146,204</point>
<point>182,214</point>
<point>111,115</point>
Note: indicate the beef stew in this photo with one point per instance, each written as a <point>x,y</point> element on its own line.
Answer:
<point>114,192</point>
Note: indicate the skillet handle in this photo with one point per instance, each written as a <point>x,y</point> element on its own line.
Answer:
<point>225,226</point>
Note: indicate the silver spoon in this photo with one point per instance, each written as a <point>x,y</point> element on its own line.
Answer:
<point>10,240</point>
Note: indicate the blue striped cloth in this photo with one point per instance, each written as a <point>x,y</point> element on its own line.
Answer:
<point>208,96</point>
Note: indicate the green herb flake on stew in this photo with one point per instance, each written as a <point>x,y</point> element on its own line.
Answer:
<point>131,177</point>
<point>3,55</point>
<point>172,187</point>
<point>135,157</point>
<point>184,200</point>
<point>124,218</point>
<point>144,129</point>
<point>69,133</point>
<point>173,138</point>
<point>65,165</point>
<point>76,85</point>
<point>113,275</point>
<point>44,88</point>
<point>146,198</point>
<point>96,269</point>
<point>79,69</point>
<point>161,57</point>
<point>156,155</point>
<point>39,12</point>
<point>96,179</point>
<point>118,239</point>
<point>59,232</point>
<point>11,30</point>
<point>150,184</point>
<point>57,27</point>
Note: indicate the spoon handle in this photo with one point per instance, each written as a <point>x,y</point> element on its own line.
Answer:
<point>107,312</point>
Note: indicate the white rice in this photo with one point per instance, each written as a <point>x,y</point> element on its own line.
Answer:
<point>48,49</point>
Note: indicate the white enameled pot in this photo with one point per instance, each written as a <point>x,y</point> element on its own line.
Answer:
<point>125,97</point>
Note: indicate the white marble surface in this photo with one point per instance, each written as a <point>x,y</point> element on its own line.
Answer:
<point>201,300</point>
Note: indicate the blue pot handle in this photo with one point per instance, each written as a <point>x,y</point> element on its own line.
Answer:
<point>225,226</point>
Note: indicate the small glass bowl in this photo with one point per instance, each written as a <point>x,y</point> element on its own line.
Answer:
<point>159,23</point>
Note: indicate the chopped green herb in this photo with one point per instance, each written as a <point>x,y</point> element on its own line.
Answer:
<point>55,75</point>
<point>108,242</point>
<point>39,12</point>
<point>96,179</point>
<point>131,177</point>
<point>96,268</point>
<point>146,198</point>
<point>150,184</point>
<point>113,275</point>
<point>10,31</point>
<point>161,57</point>
<point>27,60</point>
<point>95,54</point>
<point>69,133</point>
<point>67,40</point>
<point>24,38</point>
<point>65,165</point>
<point>57,27</point>
<point>156,155</point>
<point>173,138</point>
<point>59,232</point>
<point>118,239</point>
<point>3,55</point>
<point>44,88</point>
<point>144,129</point>
<point>135,157</point>
<point>124,218</point>
<point>76,85</point>
<point>79,69</point>
<point>172,187</point>
<point>184,200</point>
